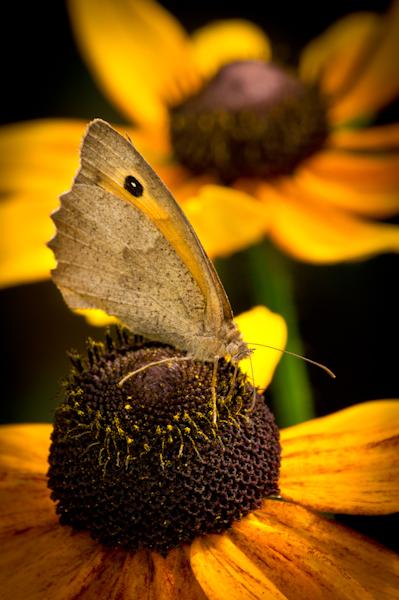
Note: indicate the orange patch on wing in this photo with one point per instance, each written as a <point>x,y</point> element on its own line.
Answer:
<point>170,229</point>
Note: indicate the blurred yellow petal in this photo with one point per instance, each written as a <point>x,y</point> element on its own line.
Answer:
<point>346,462</point>
<point>224,571</point>
<point>222,42</point>
<point>355,197</point>
<point>225,220</point>
<point>96,317</point>
<point>261,326</point>
<point>187,186</point>
<point>39,156</point>
<point>373,173</point>
<point>25,227</point>
<point>383,137</point>
<point>309,557</point>
<point>139,54</point>
<point>24,449</point>
<point>38,161</point>
<point>320,234</point>
<point>43,155</point>
<point>333,59</point>
<point>24,496</point>
<point>377,83</point>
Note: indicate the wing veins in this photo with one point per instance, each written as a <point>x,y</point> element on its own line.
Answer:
<point>135,291</point>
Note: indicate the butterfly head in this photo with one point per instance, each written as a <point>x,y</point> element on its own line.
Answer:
<point>235,347</point>
<point>239,352</point>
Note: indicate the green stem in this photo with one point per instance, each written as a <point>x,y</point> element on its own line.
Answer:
<point>272,285</point>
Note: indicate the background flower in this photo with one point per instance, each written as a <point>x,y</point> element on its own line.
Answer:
<point>314,182</point>
<point>347,314</point>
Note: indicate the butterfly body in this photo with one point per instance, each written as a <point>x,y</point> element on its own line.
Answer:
<point>124,245</point>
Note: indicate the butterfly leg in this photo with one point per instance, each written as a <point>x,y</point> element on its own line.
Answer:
<point>253,386</point>
<point>232,383</point>
<point>152,364</point>
<point>213,390</point>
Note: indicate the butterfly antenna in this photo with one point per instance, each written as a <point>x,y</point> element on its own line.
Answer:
<point>151,364</point>
<point>308,360</point>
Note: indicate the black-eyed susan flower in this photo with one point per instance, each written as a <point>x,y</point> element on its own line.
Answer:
<point>249,148</point>
<point>142,496</point>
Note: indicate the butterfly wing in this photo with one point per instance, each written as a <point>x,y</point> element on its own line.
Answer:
<point>131,251</point>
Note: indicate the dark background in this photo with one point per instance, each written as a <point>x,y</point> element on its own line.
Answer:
<point>347,313</point>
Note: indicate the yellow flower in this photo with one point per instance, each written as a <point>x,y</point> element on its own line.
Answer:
<point>282,549</point>
<point>301,167</point>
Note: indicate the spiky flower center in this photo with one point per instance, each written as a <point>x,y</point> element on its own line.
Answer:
<point>252,119</point>
<point>154,462</point>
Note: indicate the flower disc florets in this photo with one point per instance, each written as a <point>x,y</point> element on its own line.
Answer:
<point>251,120</point>
<point>149,463</point>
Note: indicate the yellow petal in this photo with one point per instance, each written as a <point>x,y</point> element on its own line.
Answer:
<point>48,562</point>
<point>24,448</point>
<point>222,42</point>
<point>377,83</point>
<point>185,186</point>
<point>346,462</point>
<point>139,54</point>
<point>225,220</point>
<point>298,567</point>
<point>39,558</point>
<point>24,502</point>
<point>261,326</point>
<point>174,577</point>
<point>38,160</point>
<point>143,574</point>
<point>309,557</point>
<point>24,496</point>
<point>377,173</point>
<point>25,229</point>
<point>39,156</point>
<point>96,317</point>
<point>317,233</point>
<point>332,60</point>
<point>121,575</point>
<point>355,197</point>
<point>383,137</point>
<point>224,571</point>
<point>132,580</point>
<point>42,559</point>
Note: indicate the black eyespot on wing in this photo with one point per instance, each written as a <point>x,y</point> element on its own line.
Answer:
<point>133,186</point>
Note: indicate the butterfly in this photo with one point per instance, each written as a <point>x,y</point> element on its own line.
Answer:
<point>124,245</point>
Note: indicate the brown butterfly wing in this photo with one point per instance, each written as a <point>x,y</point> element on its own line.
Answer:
<point>137,258</point>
